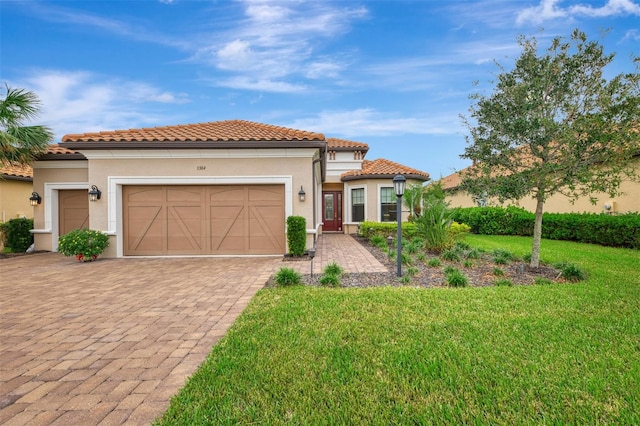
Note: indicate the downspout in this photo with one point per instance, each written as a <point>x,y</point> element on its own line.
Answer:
<point>315,201</point>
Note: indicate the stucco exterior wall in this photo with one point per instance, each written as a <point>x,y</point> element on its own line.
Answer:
<point>110,170</point>
<point>372,211</point>
<point>14,199</point>
<point>49,177</point>
<point>629,202</point>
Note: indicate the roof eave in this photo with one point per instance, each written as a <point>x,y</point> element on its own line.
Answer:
<point>194,144</point>
<point>55,157</point>
<point>18,178</point>
<point>385,176</point>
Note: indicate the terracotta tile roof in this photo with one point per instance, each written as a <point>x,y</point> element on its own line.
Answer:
<point>58,150</point>
<point>452,181</point>
<point>382,169</point>
<point>229,130</point>
<point>343,143</point>
<point>15,171</point>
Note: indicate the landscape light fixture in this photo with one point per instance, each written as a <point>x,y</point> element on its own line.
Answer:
<point>35,199</point>
<point>94,193</point>
<point>398,185</point>
<point>301,194</point>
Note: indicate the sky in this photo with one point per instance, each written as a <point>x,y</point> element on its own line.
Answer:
<point>396,75</point>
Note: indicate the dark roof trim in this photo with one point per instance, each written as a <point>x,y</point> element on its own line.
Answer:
<point>386,176</point>
<point>194,145</point>
<point>61,157</point>
<point>14,177</point>
<point>347,148</point>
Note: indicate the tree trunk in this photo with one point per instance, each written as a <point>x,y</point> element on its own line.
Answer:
<point>537,235</point>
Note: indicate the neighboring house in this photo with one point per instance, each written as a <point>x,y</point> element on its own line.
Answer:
<point>558,203</point>
<point>220,188</point>
<point>16,185</point>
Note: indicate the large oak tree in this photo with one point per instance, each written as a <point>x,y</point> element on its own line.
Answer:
<point>20,143</point>
<point>554,124</point>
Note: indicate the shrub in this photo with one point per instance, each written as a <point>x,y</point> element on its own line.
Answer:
<point>502,257</point>
<point>451,255</point>
<point>407,259</point>
<point>85,244</point>
<point>384,229</point>
<point>607,230</point>
<point>330,280</point>
<point>455,278</point>
<point>412,271</point>
<point>333,269</point>
<point>288,276</point>
<point>17,234</point>
<point>413,246</point>
<point>462,245</point>
<point>434,263</point>
<point>296,235</point>
<point>378,241</point>
<point>571,272</point>
<point>473,254</point>
<point>467,264</point>
<point>421,257</point>
<point>503,283</point>
<point>498,272</point>
<point>434,226</point>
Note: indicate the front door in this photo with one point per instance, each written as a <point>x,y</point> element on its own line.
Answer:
<point>332,211</point>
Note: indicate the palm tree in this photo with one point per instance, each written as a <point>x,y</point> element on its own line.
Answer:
<point>20,144</point>
<point>413,200</point>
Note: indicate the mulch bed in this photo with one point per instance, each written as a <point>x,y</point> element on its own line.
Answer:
<point>481,274</point>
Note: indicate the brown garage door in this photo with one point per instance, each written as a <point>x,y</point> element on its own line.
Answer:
<point>221,219</point>
<point>73,210</point>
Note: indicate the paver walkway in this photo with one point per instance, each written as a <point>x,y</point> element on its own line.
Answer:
<point>110,342</point>
<point>343,250</point>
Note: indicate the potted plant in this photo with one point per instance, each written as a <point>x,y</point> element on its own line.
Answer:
<point>84,244</point>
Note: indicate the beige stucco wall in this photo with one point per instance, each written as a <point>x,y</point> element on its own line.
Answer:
<point>629,202</point>
<point>110,170</point>
<point>372,200</point>
<point>48,178</point>
<point>14,199</point>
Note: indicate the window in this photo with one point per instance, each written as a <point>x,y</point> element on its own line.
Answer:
<point>387,205</point>
<point>357,205</point>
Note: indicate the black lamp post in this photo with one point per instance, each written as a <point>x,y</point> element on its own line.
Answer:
<point>398,186</point>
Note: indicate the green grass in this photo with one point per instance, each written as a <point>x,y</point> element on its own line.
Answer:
<point>556,353</point>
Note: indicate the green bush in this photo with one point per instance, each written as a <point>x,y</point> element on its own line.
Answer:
<point>571,272</point>
<point>333,269</point>
<point>502,257</point>
<point>330,280</point>
<point>17,234</point>
<point>455,278</point>
<point>434,263</point>
<point>384,229</point>
<point>451,255</point>
<point>86,244</point>
<point>296,235</point>
<point>503,283</point>
<point>287,277</point>
<point>467,264</point>
<point>434,226</point>
<point>378,241</point>
<point>607,230</point>
<point>412,271</point>
<point>498,272</point>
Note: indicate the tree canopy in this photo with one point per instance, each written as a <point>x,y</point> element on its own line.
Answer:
<point>20,143</point>
<point>554,124</point>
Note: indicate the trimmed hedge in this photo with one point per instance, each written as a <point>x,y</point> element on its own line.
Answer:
<point>592,228</point>
<point>17,234</point>
<point>296,235</point>
<point>385,229</point>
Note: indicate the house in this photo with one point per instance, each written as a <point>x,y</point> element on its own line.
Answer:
<point>16,185</point>
<point>628,202</point>
<point>218,188</point>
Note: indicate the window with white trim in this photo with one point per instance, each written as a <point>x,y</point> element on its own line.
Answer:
<point>357,205</point>
<point>387,205</point>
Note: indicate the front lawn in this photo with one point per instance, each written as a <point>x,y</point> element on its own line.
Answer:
<point>559,353</point>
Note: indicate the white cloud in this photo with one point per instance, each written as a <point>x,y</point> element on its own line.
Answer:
<point>78,102</point>
<point>631,35</point>
<point>278,41</point>
<point>368,122</point>
<point>550,10</point>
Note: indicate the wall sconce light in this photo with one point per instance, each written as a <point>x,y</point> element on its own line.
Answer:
<point>301,194</point>
<point>94,193</point>
<point>35,199</point>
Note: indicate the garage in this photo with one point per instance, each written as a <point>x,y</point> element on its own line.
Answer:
<point>203,220</point>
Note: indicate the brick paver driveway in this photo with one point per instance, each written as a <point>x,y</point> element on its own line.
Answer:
<point>109,342</point>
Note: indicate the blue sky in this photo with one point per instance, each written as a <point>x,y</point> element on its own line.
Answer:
<point>394,74</point>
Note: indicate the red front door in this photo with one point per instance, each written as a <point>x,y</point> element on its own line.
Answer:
<point>332,211</point>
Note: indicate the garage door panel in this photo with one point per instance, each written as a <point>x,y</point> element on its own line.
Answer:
<point>223,219</point>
